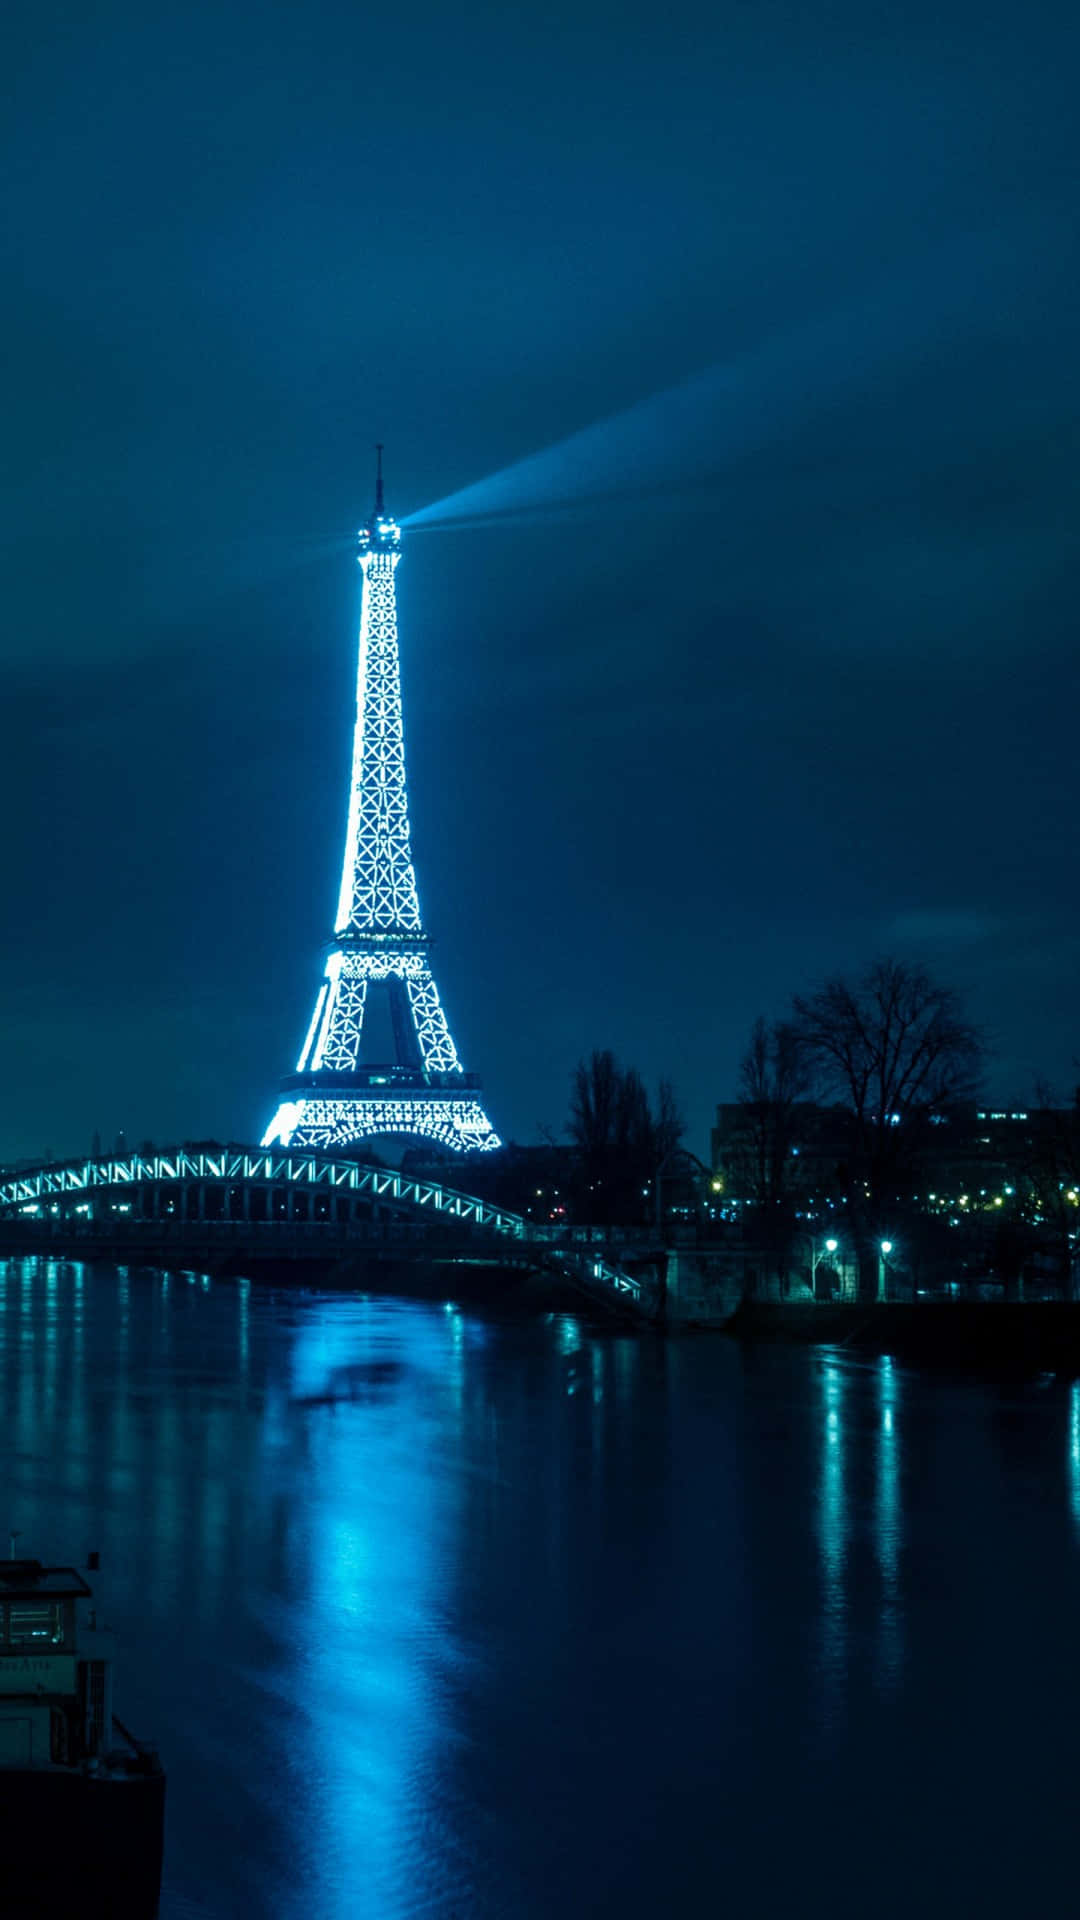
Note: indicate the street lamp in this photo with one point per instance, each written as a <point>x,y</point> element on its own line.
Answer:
<point>886,1249</point>
<point>815,1258</point>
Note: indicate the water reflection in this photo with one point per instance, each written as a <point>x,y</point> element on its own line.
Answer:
<point>425,1608</point>
<point>888,1518</point>
<point>569,1331</point>
<point>833,1523</point>
<point>859,1474</point>
<point>1074,1451</point>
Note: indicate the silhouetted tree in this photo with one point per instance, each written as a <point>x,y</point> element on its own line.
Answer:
<point>773,1086</point>
<point>668,1123</point>
<point>594,1103</point>
<point>620,1137</point>
<point>892,1047</point>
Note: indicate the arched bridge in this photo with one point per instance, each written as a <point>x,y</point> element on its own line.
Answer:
<point>239,1203</point>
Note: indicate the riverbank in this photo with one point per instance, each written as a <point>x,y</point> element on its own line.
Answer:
<point>967,1336</point>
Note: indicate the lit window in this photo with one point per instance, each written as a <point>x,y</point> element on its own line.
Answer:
<point>36,1624</point>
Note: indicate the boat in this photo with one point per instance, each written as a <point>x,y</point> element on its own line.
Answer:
<point>82,1801</point>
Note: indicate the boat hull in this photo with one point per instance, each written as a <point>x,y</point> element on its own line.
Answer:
<point>81,1844</point>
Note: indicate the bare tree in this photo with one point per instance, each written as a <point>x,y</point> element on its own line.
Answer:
<point>773,1085</point>
<point>620,1137</point>
<point>894,1049</point>
<point>633,1116</point>
<point>594,1103</point>
<point>668,1123</point>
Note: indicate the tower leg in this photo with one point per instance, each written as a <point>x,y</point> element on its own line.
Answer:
<point>437,1049</point>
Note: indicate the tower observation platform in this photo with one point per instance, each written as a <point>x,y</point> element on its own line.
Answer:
<point>336,1096</point>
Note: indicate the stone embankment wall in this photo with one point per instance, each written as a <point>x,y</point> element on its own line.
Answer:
<point>1003,1338</point>
<point>705,1287</point>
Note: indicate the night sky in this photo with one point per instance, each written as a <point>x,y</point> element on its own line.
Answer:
<point>771,670</point>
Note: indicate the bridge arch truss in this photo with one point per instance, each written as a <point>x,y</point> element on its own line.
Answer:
<point>263,1188</point>
<point>75,1184</point>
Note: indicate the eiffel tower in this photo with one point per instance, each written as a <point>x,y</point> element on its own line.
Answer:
<point>379,944</point>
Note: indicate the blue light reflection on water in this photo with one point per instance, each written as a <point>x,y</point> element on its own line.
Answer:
<point>439,1615</point>
<point>888,1519</point>
<point>834,1519</point>
<point>1075,1450</point>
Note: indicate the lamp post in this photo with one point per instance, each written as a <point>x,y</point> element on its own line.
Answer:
<point>815,1258</point>
<point>882,1287</point>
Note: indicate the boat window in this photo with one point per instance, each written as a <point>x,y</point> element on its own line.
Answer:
<point>36,1624</point>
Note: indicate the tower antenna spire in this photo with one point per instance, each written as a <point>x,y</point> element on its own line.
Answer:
<point>378,476</point>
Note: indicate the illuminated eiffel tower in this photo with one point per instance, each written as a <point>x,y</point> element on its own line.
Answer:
<point>378,943</point>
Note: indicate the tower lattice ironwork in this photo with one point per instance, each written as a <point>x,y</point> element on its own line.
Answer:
<point>335,1097</point>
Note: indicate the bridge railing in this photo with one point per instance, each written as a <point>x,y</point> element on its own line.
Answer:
<point>266,1168</point>
<point>585,1252</point>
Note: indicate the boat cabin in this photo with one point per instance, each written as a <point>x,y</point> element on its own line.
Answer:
<point>55,1669</point>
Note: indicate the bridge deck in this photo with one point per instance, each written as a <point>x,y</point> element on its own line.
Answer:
<point>281,1205</point>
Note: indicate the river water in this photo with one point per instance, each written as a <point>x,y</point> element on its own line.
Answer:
<point>444,1615</point>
